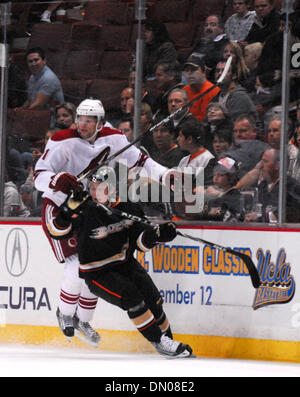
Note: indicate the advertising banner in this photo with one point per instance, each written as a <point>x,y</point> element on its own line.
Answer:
<point>206,291</point>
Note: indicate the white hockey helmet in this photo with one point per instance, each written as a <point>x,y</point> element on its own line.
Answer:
<point>90,107</point>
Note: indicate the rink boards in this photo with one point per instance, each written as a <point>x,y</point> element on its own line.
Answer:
<point>208,294</point>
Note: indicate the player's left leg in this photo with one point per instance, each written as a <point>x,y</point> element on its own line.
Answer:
<point>152,297</point>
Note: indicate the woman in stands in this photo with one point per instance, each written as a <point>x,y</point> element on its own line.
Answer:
<point>158,46</point>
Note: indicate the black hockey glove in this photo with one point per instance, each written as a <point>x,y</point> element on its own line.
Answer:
<point>166,232</point>
<point>160,233</point>
<point>74,203</point>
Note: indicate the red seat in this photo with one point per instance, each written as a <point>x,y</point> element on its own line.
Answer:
<point>115,37</point>
<point>108,91</point>
<point>115,64</point>
<point>203,8</point>
<point>29,124</point>
<point>56,60</point>
<point>75,91</point>
<point>105,12</point>
<point>171,10</point>
<point>81,65</point>
<point>182,33</point>
<point>50,36</point>
<point>85,36</point>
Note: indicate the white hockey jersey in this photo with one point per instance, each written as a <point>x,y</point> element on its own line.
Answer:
<point>199,159</point>
<point>66,151</point>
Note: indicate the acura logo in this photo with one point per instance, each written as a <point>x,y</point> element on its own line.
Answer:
<point>16,252</point>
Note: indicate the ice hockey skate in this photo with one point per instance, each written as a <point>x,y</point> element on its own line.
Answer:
<point>65,324</point>
<point>85,332</point>
<point>172,349</point>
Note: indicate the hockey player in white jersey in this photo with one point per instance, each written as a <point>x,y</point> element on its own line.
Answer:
<point>66,155</point>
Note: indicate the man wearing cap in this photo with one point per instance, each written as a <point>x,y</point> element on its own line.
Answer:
<point>194,71</point>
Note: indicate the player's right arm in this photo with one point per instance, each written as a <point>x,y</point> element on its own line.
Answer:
<point>49,173</point>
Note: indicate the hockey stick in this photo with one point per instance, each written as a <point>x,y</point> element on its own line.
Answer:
<point>245,258</point>
<point>95,163</point>
<point>106,160</point>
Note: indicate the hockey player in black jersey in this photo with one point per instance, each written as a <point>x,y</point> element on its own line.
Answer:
<point>106,246</point>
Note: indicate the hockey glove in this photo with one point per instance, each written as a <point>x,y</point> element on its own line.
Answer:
<point>64,182</point>
<point>73,204</point>
<point>166,232</point>
<point>161,233</point>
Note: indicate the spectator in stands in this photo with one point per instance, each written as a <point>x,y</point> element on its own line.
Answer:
<point>266,21</point>
<point>65,115</point>
<point>146,144</point>
<point>224,205</point>
<point>46,15</point>
<point>126,126</point>
<point>294,161</point>
<point>146,96</point>
<point>32,199</point>
<point>127,101</point>
<point>244,128</point>
<point>168,152</point>
<point>14,163</point>
<point>269,65</point>
<point>194,71</point>
<point>235,51</point>
<point>238,25</point>
<point>13,204</point>
<point>44,87</point>
<point>268,192</point>
<point>212,42</point>
<point>222,141</point>
<point>126,106</point>
<point>246,149</point>
<point>221,145</point>
<point>159,47</point>
<point>191,139</point>
<point>178,98</point>
<point>216,119</point>
<point>252,53</point>
<point>253,176</point>
<point>232,95</point>
<point>167,77</point>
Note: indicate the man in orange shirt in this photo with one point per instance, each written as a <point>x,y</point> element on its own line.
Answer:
<point>194,72</point>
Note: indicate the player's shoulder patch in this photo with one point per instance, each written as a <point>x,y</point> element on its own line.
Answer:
<point>64,134</point>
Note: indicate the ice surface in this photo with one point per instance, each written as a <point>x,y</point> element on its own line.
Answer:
<point>38,361</point>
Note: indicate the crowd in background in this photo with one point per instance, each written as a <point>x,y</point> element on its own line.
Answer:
<point>232,132</point>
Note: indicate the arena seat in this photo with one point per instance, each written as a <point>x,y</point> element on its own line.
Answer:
<point>104,12</point>
<point>108,91</point>
<point>182,33</point>
<point>115,37</point>
<point>50,36</point>
<point>115,64</point>
<point>75,91</point>
<point>56,60</point>
<point>83,64</point>
<point>171,10</point>
<point>85,36</point>
<point>28,124</point>
<point>202,8</point>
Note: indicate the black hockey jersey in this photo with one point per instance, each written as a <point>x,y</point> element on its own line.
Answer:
<point>104,239</point>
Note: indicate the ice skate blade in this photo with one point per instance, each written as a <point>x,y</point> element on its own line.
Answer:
<point>178,357</point>
<point>182,355</point>
<point>85,340</point>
